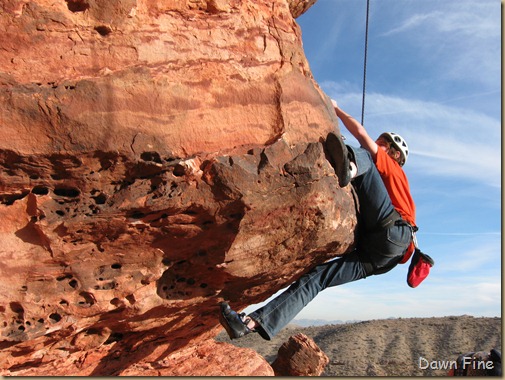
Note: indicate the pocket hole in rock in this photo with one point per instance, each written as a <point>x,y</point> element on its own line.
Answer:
<point>179,170</point>
<point>137,215</point>
<point>114,337</point>
<point>100,199</point>
<point>103,30</point>
<point>166,262</point>
<point>77,6</point>
<point>151,156</point>
<point>55,317</point>
<point>88,299</point>
<point>67,192</point>
<point>17,308</point>
<point>116,302</point>
<point>40,190</point>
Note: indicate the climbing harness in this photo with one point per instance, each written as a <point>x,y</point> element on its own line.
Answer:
<point>421,263</point>
<point>364,64</point>
<point>389,220</point>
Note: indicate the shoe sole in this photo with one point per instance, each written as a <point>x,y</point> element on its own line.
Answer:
<point>338,153</point>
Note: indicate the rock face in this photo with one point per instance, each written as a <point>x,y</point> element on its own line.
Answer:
<point>300,356</point>
<point>156,158</point>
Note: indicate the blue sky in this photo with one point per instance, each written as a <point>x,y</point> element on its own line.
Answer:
<point>433,76</point>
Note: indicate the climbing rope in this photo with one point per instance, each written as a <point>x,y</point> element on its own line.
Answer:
<point>364,64</point>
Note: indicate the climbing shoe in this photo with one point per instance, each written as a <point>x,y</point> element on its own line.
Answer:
<point>235,324</point>
<point>339,158</point>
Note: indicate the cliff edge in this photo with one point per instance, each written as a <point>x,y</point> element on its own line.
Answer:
<point>157,157</point>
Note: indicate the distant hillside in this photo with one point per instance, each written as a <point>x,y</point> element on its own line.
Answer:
<point>320,322</point>
<point>389,347</point>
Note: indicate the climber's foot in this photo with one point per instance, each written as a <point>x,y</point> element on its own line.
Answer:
<point>339,158</point>
<point>235,324</point>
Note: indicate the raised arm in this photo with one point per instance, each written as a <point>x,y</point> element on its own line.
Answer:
<point>357,130</point>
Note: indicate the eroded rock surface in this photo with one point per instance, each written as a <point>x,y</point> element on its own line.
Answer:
<point>300,356</point>
<point>157,157</point>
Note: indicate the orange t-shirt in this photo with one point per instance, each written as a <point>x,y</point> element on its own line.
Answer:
<point>397,186</point>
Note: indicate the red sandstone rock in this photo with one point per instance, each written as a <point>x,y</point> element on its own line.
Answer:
<point>149,359</point>
<point>227,360</point>
<point>156,158</point>
<point>300,356</point>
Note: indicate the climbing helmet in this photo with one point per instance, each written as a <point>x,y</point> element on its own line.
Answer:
<point>399,144</point>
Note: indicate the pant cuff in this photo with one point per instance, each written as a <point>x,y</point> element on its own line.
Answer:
<point>260,329</point>
<point>361,158</point>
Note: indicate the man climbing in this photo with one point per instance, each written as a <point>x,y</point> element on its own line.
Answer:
<point>386,223</point>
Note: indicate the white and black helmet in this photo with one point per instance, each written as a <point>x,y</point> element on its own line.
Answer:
<point>399,144</point>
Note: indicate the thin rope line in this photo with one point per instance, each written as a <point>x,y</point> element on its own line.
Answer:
<point>364,64</point>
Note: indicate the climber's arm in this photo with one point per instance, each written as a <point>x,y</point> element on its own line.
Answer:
<point>357,130</point>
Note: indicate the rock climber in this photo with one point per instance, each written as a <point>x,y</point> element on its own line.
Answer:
<point>386,222</point>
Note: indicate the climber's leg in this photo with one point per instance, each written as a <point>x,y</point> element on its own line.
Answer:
<point>389,245</point>
<point>281,310</point>
<point>374,201</point>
